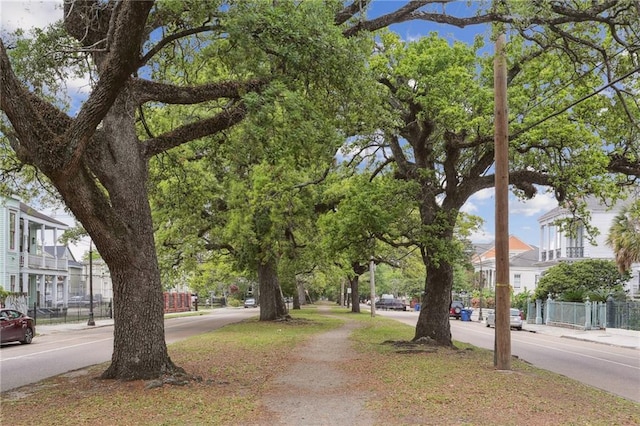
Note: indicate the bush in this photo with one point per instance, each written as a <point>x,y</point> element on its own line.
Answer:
<point>234,303</point>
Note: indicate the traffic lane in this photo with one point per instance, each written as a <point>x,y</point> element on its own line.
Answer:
<point>613,369</point>
<point>180,328</point>
<point>46,357</point>
<point>57,353</point>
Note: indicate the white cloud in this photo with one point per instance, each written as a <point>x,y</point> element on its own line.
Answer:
<point>478,202</point>
<point>538,205</point>
<point>27,14</point>
<point>482,235</point>
<point>484,194</point>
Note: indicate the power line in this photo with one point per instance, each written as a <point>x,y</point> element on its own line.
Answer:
<point>574,103</point>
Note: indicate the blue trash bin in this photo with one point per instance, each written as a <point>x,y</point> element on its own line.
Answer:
<point>417,307</point>
<point>465,315</point>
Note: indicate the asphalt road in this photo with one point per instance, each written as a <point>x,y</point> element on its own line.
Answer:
<point>613,369</point>
<point>53,354</point>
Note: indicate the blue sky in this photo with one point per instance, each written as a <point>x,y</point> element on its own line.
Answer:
<point>522,215</point>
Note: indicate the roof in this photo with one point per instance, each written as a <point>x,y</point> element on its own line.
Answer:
<point>594,204</point>
<point>527,258</point>
<point>516,246</point>
<point>36,214</point>
<point>59,251</point>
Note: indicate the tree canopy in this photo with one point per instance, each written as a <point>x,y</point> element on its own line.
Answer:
<point>575,281</point>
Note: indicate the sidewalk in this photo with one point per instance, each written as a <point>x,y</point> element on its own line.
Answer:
<point>70,326</point>
<point>45,329</point>
<point>611,336</point>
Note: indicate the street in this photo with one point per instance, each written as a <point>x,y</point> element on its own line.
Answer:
<point>613,369</point>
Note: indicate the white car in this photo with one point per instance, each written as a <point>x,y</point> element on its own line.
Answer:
<point>515,320</point>
<point>250,303</point>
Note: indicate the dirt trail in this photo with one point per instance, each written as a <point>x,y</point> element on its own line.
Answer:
<point>317,390</point>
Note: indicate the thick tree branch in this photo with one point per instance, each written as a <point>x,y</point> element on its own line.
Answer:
<point>147,91</point>
<point>399,15</point>
<point>348,12</point>
<point>37,123</point>
<point>624,165</point>
<point>189,132</point>
<point>165,41</point>
<point>119,63</point>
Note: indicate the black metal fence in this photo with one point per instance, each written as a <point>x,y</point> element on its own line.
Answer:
<point>45,316</point>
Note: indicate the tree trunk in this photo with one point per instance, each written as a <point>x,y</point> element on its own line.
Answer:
<point>299,297</point>
<point>117,217</point>
<point>139,350</point>
<point>355,295</point>
<point>272,305</point>
<point>433,320</point>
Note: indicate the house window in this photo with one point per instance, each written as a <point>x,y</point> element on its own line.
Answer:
<point>12,231</point>
<point>517,280</point>
<point>575,244</point>
<point>12,287</point>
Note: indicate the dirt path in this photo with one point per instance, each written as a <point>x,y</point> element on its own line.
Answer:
<point>317,390</point>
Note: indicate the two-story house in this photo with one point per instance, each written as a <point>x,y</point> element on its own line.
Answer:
<point>527,263</point>
<point>26,267</point>
<point>556,245</point>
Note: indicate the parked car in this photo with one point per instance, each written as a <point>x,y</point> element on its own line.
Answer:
<point>75,301</point>
<point>16,327</point>
<point>515,319</point>
<point>391,304</point>
<point>250,303</point>
<point>455,309</point>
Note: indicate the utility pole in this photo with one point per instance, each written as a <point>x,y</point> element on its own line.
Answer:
<point>372,272</point>
<point>502,353</point>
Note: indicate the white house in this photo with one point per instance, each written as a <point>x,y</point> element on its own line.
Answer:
<point>528,263</point>
<point>98,278</point>
<point>25,266</point>
<point>557,245</point>
<point>524,268</point>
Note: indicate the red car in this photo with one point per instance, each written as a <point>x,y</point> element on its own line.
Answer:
<point>16,327</point>
<point>455,309</point>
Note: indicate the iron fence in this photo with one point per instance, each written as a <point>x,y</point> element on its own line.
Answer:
<point>587,315</point>
<point>625,315</point>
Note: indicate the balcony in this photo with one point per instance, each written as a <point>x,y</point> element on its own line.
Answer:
<point>34,261</point>
<point>575,252</point>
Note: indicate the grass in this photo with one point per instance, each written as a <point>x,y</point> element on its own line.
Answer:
<point>237,363</point>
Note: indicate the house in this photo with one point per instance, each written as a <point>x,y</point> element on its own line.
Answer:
<point>524,270</point>
<point>76,277</point>
<point>97,277</point>
<point>528,263</point>
<point>557,245</point>
<point>26,267</point>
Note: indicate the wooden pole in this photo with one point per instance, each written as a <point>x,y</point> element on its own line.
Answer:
<point>502,357</point>
<point>372,271</point>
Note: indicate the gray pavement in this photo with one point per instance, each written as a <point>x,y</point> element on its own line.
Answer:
<point>70,326</point>
<point>610,336</point>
